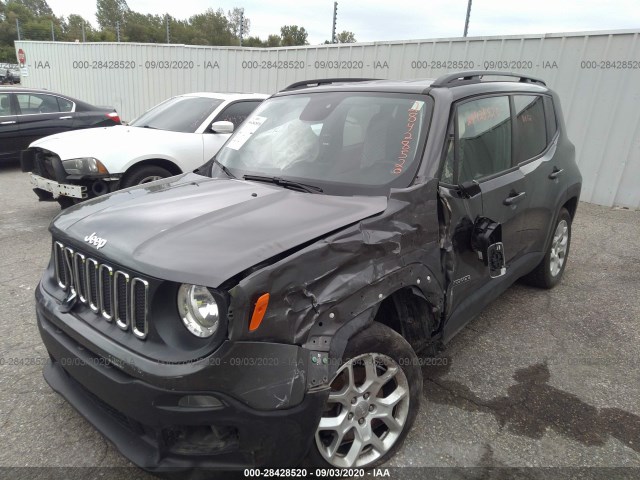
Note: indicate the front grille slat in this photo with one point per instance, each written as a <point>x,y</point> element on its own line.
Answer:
<point>79,275</point>
<point>113,295</point>
<point>139,294</point>
<point>122,299</point>
<point>105,274</point>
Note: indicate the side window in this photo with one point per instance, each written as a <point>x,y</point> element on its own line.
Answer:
<point>550,114</point>
<point>64,105</point>
<point>237,112</point>
<point>530,126</point>
<point>33,103</point>
<point>5,104</point>
<point>483,138</point>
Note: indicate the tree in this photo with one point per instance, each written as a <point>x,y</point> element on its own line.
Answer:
<point>346,37</point>
<point>293,35</point>
<point>110,12</point>
<point>273,41</point>
<point>254,42</point>
<point>72,28</point>
<point>39,8</point>
<point>211,28</point>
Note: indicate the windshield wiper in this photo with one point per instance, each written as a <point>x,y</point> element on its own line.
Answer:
<point>224,168</point>
<point>146,126</point>
<point>284,183</point>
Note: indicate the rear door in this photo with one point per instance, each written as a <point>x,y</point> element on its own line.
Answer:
<point>480,187</point>
<point>40,115</point>
<point>8,127</point>
<point>536,132</point>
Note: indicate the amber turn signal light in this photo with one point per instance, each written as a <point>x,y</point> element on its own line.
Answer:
<point>258,312</point>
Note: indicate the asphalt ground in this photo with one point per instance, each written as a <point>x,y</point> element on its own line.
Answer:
<point>540,379</point>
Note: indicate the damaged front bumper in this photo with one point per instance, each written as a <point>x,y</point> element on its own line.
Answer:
<point>160,425</point>
<point>57,189</point>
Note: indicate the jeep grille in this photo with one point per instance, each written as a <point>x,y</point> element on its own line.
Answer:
<point>110,293</point>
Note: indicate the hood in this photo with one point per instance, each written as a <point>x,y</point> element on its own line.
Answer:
<point>195,229</point>
<point>96,142</point>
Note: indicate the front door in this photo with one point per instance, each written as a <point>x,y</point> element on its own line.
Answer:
<point>481,192</point>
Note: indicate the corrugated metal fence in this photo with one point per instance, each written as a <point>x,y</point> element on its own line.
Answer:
<point>597,75</point>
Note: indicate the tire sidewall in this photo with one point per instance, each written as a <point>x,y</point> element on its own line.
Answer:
<point>378,338</point>
<point>550,279</point>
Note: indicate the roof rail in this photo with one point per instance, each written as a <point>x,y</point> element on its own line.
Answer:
<point>471,76</point>
<point>325,81</point>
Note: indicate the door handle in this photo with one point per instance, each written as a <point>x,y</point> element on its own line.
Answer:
<point>556,173</point>
<point>514,198</point>
<point>10,122</point>
<point>66,118</point>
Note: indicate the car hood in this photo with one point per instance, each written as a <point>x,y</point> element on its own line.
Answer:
<point>195,229</point>
<point>96,142</point>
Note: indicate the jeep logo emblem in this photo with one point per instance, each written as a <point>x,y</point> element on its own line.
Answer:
<point>95,241</point>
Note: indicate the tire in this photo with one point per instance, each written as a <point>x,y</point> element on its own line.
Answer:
<point>382,348</point>
<point>144,174</point>
<point>549,272</point>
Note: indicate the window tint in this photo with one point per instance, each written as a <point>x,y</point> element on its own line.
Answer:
<point>550,113</point>
<point>5,104</point>
<point>65,105</point>
<point>33,103</point>
<point>531,128</point>
<point>483,138</point>
<point>237,112</point>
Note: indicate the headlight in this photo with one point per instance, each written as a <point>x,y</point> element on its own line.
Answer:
<point>84,166</point>
<point>199,310</point>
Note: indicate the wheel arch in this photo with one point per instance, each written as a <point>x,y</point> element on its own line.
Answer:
<point>159,162</point>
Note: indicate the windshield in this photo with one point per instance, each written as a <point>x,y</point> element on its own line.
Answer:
<point>178,114</point>
<point>344,142</point>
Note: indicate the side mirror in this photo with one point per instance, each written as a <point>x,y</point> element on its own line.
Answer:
<point>222,127</point>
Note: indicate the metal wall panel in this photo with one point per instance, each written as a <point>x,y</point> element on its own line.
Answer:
<point>596,74</point>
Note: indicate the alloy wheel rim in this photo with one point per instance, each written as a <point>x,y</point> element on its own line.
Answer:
<point>365,413</point>
<point>151,178</point>
<point>559,247</point>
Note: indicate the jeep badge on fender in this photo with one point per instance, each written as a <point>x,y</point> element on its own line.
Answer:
<point>270,307</point>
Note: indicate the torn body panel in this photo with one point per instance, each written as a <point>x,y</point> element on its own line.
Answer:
<point>343,278</point>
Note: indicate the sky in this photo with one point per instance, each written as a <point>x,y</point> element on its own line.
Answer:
<point>372,20</point>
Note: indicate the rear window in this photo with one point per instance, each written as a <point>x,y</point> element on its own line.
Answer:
<point>178,114</point>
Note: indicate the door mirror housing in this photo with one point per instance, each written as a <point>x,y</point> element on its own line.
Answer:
<point>222,126</point>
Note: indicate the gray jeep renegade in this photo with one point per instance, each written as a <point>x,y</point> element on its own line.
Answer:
<point>272,306</point>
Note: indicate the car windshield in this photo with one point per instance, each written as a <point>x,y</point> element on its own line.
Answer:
<point>178,114</point>
<point>343,142</point>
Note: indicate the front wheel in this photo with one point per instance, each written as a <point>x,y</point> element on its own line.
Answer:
<point>373,402</point>
<point>549,272</point>
<point>144,174</point>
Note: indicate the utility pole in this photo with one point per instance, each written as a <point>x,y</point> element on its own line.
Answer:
<point>335,18</point>
<point>118,31</point>
<point>84,37</point>
<point>241,25</point>
<point>466,23</point>
<point>18,28</point>
<point>168,32</point>
<point>53,34</point>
